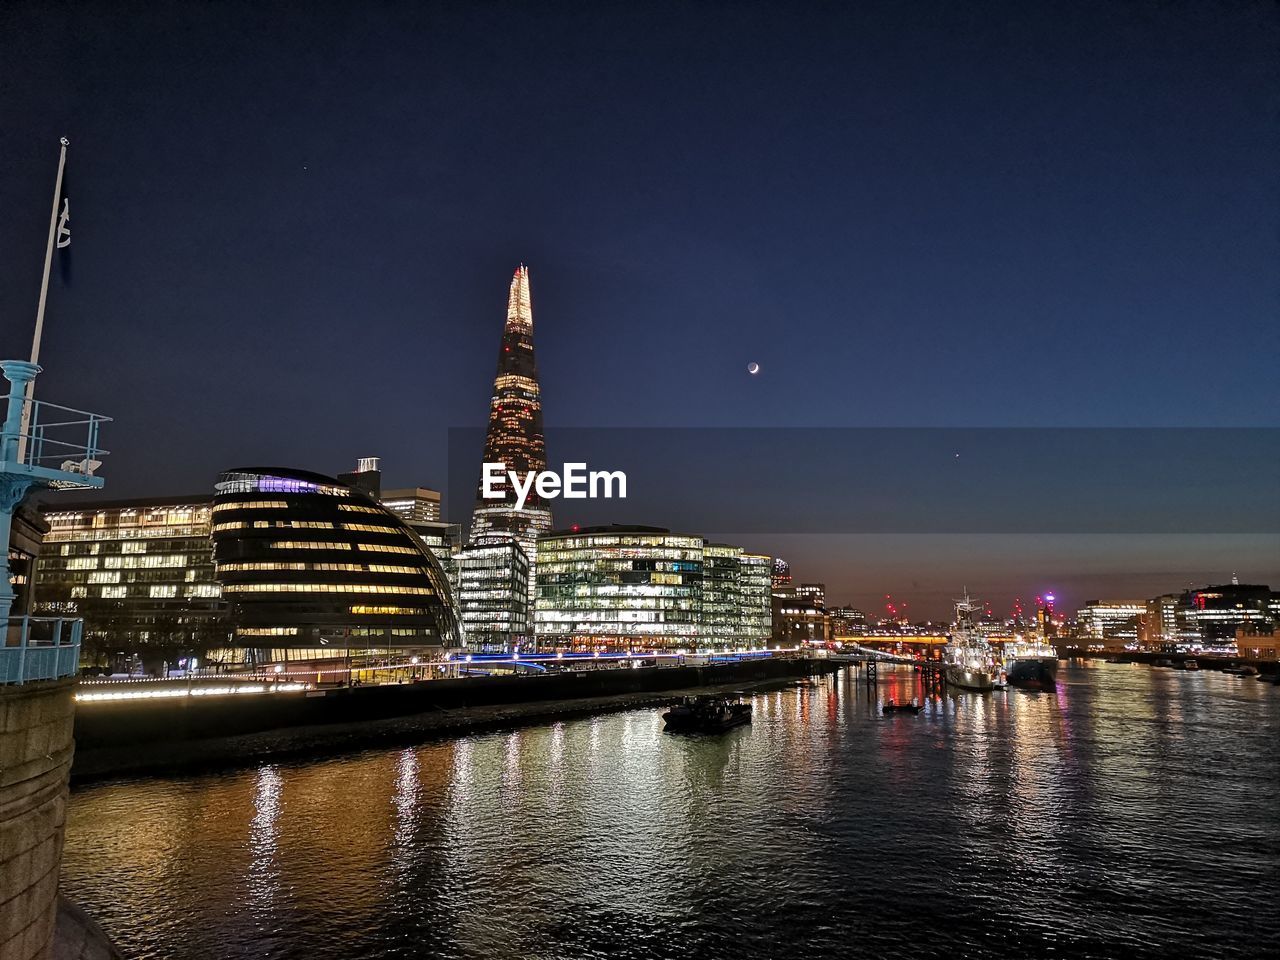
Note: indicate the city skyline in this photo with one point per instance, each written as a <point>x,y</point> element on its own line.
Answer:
<point>878,556</point>
<point>929,258</point>
<point>900,564</point>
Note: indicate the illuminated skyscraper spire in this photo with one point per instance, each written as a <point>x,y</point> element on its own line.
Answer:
<point>519,306</point>
<point>515,430</point>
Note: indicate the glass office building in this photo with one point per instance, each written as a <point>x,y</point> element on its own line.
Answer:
<point>755,590</point>
<point>314,568</point>
<point>721,623</point>
<point>444,540</point>
<point>1115,620</point>
<point>493,596</point>
<point>646,588</point>
<point>140,573</point>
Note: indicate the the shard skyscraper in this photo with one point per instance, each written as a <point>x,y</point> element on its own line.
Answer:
<point>515,432</point>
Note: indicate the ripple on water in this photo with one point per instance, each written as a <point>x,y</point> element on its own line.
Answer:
<point>1132,813</point>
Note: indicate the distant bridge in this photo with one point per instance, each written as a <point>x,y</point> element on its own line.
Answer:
<point>856,653</point>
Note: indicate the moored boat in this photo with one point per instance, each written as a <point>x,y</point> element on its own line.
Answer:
<point>970,661</point>
<point>707,715</point>
<point>1031,665</point>
<point>976,678</point>
<point>892,706</point>
<point>1241,670</point>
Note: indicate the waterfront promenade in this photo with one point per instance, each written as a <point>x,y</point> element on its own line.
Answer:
<point>172,733</point>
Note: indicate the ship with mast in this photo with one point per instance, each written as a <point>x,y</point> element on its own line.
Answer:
<point>971,663</point>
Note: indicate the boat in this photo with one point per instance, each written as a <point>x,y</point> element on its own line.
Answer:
<point>707,715</point>
<point>1031,664</point>
<point>1190,665</point>
<point>891,706</point>
<point>1241,670</point>
<point>970,661</point>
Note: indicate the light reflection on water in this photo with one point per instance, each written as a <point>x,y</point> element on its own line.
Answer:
<point>1133,811</point>
<point>264,834</point>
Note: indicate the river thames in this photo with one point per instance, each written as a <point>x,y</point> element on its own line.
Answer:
<point>1134,813</point>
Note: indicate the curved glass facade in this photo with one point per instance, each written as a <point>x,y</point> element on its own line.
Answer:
<point>310,563</point>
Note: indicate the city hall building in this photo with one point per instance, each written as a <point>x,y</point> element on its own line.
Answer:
<point>646,588</point>
<point>313,569</point>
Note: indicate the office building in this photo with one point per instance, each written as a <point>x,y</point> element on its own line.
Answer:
<point>1258,644</point>
<point>619,588</point>
<point>721,622</point>
<point>1209,619</point>
<point>444,540</point>
<point>1217,612</point>
<point>815,593</point>
<point>754,599</point>
<point>493,596</point>
<point>415,504</point>
<point>847,621</point>
<point>636,588</point>
<point>799,621</point>
<point>315,568</point>
<point>1162,626</point>
<point>1112,623</point>
<point>140,573</point>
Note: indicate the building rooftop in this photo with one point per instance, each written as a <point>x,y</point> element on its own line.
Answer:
<point>605,528</point>
<point>57,505</point>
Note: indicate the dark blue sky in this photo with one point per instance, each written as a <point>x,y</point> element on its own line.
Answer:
<point>294,227</point>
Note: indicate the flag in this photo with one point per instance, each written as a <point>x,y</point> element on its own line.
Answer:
<point>64,237</point>
<point>64,224</point>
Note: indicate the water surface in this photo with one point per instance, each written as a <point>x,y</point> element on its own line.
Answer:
<point>1132,813</point>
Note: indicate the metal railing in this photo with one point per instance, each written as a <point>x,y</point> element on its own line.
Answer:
<point>60,438</point>
<point>39,648</point>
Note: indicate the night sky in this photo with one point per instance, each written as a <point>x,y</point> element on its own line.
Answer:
<point>294,229</point>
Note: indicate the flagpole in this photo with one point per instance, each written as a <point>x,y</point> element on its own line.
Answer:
<point>44,292</point>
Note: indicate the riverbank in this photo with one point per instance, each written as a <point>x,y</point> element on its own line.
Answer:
<point>155,737</point>
<point>1205,661</point>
